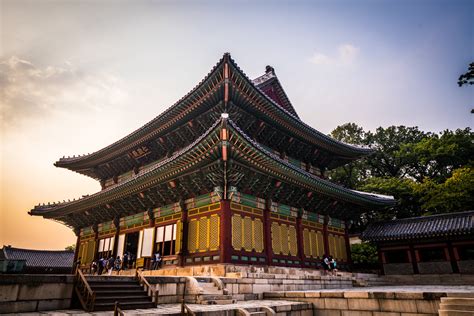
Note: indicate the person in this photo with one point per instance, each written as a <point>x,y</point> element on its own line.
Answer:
<point>110,265</point>
<point>125,261</point>
<point>333,265</point>
<point>156,261</point>
<point>101,266</point>
<point>94,267</point>
<point>118,264</point>
<point>325,264</point>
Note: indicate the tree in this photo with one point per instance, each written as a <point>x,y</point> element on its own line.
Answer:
<point>364,254</point>
<point>70,248</point>
<point>468,77</point>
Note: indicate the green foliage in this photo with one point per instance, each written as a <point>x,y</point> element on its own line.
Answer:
<point>468,77</point>
<point>364,253</point>
<point>427,173</point>
<point>70,248</point>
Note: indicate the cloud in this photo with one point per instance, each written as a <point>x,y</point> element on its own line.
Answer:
<point>28,91</point>
<point>346,55</point>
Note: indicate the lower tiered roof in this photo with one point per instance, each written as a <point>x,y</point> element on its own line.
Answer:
<point>213,161</point>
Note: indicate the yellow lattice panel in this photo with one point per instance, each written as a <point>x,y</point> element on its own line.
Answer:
<point>285,249</point>
<point>247,233</point>
<point>276,240</point>
<point>292,241</point>
<point>320,243</point>
<point>236,232</point>
<point>179,229</point>
<point>192,235</point>
<point>89,251</point>
<point>312,243</point>
<point>343,249</point>
<point>306,243</point>
<point>203,234</point>
<point>214,232</point>
<point>258,235</point>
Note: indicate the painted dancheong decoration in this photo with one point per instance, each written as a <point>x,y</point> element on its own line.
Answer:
<point>228,174</point>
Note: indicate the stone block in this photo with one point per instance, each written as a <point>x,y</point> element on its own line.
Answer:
<point>400,306</point>
<point>9,292</point>
<point>332,294</point>
<point>318,303</point>
<point>217,270</point>
<point>49,305</point>
<point>282,308</point>
<point>235,275</point>
<point>435,267</point>
<point>385,314</point>
<point>169,299</point>
<point>245,288</point>
<point>427,306</point>
<point>294,294</point>
<point>37,291</point>
<point>356,313</point>
<point>312,294</point>
<point>260,288</point>
<point>18,307</point>
<point>167,289</point>
<point>416,314</point>
<point>260,281</point>
<point>356,294</point>
<point>409,295</point>
<point>382,295</point>
<point>335,303</point>
<point>328,312</point>
<point>246,281</point>
<point>368,304</point>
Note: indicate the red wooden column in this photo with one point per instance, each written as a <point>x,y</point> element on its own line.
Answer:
<point>184,236</point>
<point>116,237</point>
<point>226,232</point>
<point>414,259</point>
<point>299,239</point>
<point>348,243</point>
<point>267,229</point>
<point>95,228</point>
<point>325,235</point>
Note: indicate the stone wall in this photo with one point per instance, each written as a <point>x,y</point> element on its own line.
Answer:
<point>364,303</point>
<point>29,292</point>
<point>435,267</point>
<point>466,266</point>
<point>398,268</point>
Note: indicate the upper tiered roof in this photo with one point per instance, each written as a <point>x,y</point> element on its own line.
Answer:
<point>261,103</point>
<point>200,167</point>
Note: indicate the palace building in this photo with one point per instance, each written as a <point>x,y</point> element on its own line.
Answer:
<point>228,174</point>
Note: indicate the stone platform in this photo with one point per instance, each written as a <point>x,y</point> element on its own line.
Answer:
<point>280,308</point>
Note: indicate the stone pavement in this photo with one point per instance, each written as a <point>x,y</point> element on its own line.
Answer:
<point>175,309</point>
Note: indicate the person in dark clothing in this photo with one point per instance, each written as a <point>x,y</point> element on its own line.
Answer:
<point>101,266</point>
<point>325,264</point>
<point>125,261</point>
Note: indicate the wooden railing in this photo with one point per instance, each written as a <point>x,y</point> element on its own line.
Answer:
<point>150,290</point>
<point>84,291</point>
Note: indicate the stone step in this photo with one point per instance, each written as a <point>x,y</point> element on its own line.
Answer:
<point>109,292</point>
<point>212,297</point>
<point>120,299</point>
<point>457,307</point>
<point>258,313</point>
<point>455,313</point>
<point>141,304</point>
<point>217,302</point>
<point>458,301</point>
<point>465,295</point>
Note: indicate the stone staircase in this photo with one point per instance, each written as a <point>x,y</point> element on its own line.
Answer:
<point>124,290</point>
<point>457,304</point>
<point>211,291</point>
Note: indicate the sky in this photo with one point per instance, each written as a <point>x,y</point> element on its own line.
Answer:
<point>76,76</point>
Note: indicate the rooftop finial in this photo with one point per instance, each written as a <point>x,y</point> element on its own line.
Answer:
<point>269,68</point>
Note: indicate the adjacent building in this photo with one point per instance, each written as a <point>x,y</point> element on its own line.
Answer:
<point>429,244</point>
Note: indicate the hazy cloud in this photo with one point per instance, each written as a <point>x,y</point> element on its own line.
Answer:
<point>346,55</point>
<point>28,91</point>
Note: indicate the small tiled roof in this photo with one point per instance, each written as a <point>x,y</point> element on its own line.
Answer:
<point>435,226</point>
<point>40,258</point>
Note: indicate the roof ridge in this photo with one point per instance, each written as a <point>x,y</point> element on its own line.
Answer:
<point>37,250</point>
<point>329,184</point>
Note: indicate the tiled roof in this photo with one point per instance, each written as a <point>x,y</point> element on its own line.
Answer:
<point>443,225</point>
<point>40,258</point>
